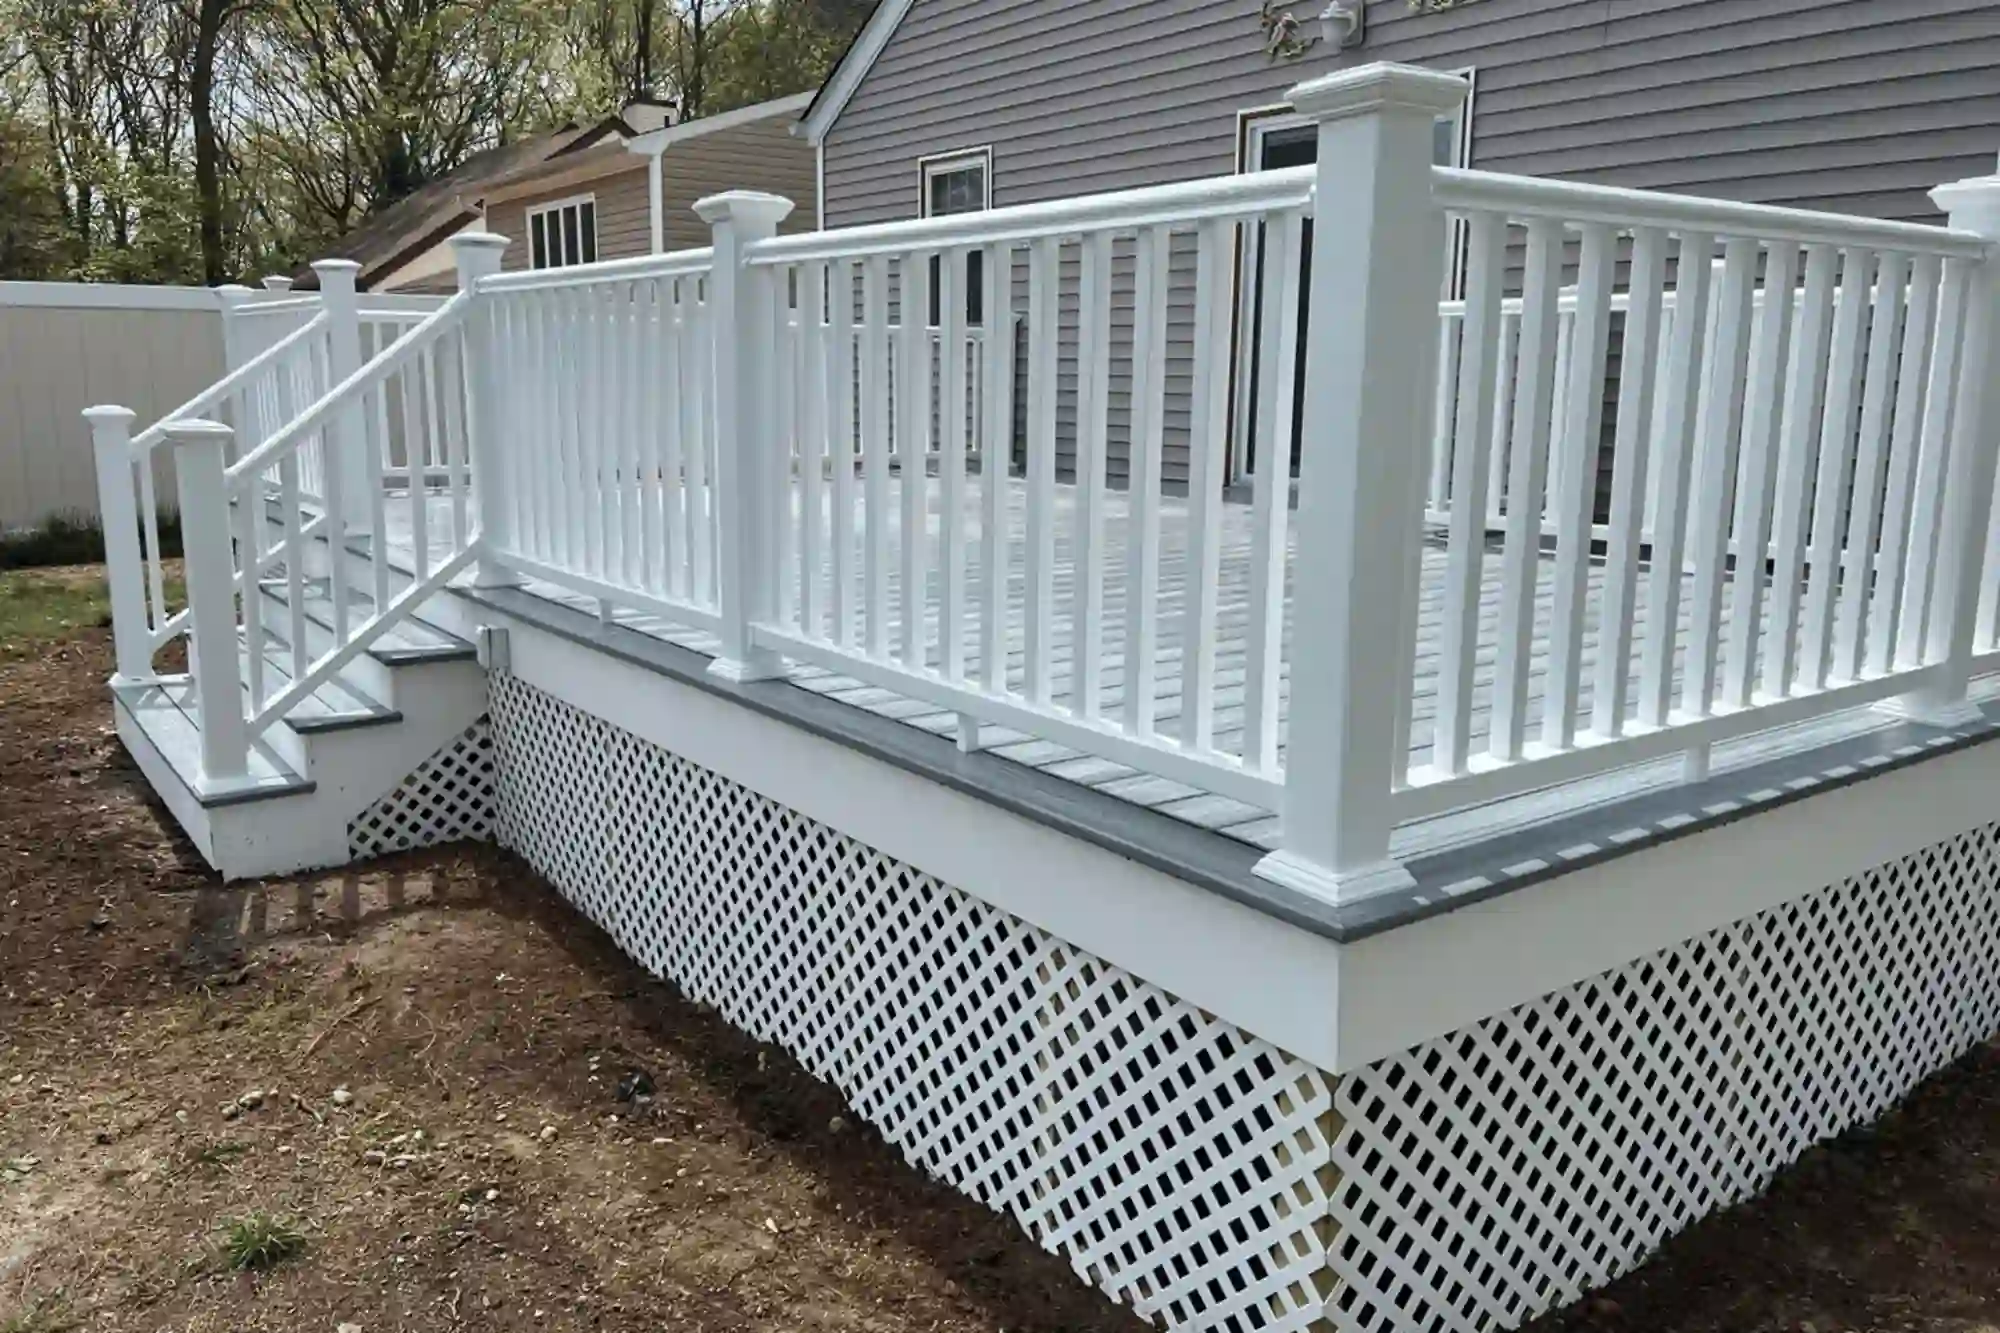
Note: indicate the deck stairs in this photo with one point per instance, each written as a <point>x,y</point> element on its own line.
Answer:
<point>389,754</point>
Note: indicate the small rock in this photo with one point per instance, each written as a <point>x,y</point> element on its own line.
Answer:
<point>251,1100</point>
<point>548,1133</point>
<point>837,1125</point>
<point>770,1226</point>
<point>375,1157</point>
<point>103,1138</point>
<point>100,922</point>
<point>402,1163</point>
<point>342,1097</point>
<point>347,1328</point>
<point>233,1111</point>
<point>492,1195</point>
<point>635,1085</point>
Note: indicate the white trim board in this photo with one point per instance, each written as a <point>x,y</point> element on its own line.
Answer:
<point>1431,977</point>
<point>1258,972</point>
<point>654,142</point>
<point>845,81</point>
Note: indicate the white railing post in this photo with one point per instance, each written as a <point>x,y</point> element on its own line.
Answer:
<point>124,564</point>
<point>1378,261</point>
<point>742,325</point>
<point>352,467</point>
<point>276,284</point>
<point>1972,205</point>
<point>201,450</point>
<point>235,351</point>
<point>487,428</point>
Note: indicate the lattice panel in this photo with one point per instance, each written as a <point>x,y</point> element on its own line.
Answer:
<point>1179,1163</point>
<point>449,798</point>
<point>1507,1169</point>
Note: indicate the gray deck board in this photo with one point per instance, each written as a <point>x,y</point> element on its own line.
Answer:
<point>1232,650</point>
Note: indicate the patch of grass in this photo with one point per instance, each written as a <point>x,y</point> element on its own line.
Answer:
<point>260,1241</point>
<point>42,606</point>
<point>74,539</point>
<point>46,1314</point>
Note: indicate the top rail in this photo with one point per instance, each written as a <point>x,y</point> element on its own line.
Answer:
<point>1183,204</point>
<point>679,264</point>
<point>1457,189</point>
<point>316,417</point>
<point>229,385</point>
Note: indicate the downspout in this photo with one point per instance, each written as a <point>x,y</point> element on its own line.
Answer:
<point>656,198</point>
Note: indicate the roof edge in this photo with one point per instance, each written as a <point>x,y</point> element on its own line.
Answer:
<point>860,57</point>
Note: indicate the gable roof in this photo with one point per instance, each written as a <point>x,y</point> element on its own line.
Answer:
<point>855,62</point>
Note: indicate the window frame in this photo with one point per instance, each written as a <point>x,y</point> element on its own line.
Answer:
<point>933,165</point>
<point>929,168</point>
<point>556,208</point>
<point>1253,125</point>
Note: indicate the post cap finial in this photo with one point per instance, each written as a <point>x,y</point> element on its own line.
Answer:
<point>746,206</point>
<point>479,240</point>
<point>276,282</point>
<point>108,413</point>
<point>1972,204</point>
<point>1382,85</point>
<point>195,430</point>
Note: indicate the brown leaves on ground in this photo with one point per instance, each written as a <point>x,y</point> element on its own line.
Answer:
<point>170,1055</point>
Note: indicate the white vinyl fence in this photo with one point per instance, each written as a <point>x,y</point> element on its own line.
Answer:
<point>66,346</point>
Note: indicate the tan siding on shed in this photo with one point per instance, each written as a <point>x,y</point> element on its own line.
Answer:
<point>764,156</point>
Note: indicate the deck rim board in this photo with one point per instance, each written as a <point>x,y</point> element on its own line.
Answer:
<point>1448,879</point>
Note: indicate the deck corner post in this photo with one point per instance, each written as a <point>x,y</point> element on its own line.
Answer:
<point>743,325</point>
<point>487,428</point>
<point>201,451</point>
<point>1377,270</point>
<point>352,469</point>
<point>124,565</point>
<point>1963,532</point>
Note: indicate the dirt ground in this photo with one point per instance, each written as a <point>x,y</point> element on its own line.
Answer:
<point>418,1068</point>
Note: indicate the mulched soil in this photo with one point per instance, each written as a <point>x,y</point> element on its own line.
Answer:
<point>480,1170</point>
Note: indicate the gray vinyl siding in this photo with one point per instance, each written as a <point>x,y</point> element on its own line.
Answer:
<point>1856,106</point>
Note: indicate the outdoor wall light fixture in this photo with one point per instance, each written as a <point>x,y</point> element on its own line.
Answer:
<point>1345,23</point>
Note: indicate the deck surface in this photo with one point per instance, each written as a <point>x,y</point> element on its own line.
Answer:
<point>1191,804</point>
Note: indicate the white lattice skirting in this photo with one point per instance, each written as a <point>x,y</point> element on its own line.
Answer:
<point>1194,1171</point>
<point>450,797</point>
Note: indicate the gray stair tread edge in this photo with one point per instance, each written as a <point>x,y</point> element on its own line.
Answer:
<point>410,641</point>
<point>161,717</point>
<point>336,705</point>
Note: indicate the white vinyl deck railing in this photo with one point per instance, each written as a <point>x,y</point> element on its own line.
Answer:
<point>1671,471</point>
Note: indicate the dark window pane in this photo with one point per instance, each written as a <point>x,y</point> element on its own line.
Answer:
<point>570,248</point>
<point>590,233</point>
<point>538,241</point>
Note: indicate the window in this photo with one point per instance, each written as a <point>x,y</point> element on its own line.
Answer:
<point>959,183</point>
<point>563,233</point>
<point>1272,139</point>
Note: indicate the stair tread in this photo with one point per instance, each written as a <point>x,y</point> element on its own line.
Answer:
<point>411,640</point>
<point>335,705</point>
<point>166,713</point>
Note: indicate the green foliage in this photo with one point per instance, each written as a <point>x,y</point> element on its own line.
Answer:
<point>324,112</point>
<point>75,539</point>
<point>260,1241</point>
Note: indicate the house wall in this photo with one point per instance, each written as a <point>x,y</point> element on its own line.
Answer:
<point>1856,106</point>
<point>763,156</point>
